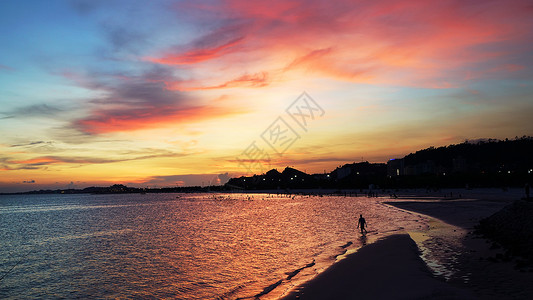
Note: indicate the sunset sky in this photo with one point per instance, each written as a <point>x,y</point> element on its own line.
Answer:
<point>166,93</point>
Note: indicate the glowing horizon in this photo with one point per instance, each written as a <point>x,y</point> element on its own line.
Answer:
<point>171,92</point>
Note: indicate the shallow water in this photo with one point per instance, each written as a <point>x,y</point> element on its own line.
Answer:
<point>188,246</point>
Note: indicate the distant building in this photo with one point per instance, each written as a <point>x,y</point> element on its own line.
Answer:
<point>395,167</point>
<point>321,176</point>
<point>427,167</point>
<point>459,164</point>
<point>344,171</point>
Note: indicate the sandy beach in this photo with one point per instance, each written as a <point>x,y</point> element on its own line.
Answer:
<point>387,269</point>
<point>445,262</point>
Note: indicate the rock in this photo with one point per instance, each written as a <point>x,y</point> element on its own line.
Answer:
<point>512,229</point>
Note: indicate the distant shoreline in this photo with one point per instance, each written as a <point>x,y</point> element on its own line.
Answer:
<point>446,193</point>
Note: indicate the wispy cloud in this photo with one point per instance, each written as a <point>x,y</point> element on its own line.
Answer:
<point>35,162</point>
<point>5,68</point>
<point>124,39</point>
<point>30,144</point>
<point>35,110</point>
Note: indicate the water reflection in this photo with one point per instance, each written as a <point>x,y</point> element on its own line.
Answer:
<point>195,246</point>
<point>362,239</point>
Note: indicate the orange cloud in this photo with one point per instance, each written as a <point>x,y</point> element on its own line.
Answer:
<point>152,99</point>
<point>196,55</point>
<point>247,80</point>
<point>105,121</point>
<point>38,161</point>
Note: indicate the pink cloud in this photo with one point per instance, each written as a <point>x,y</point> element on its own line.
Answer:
<point>131,119</point>
<point>415,43</point>
<point>257,44</point>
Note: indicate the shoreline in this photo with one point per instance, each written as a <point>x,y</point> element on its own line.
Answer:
<point>447,261</point>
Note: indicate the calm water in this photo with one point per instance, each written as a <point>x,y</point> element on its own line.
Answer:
<point>199,246</point>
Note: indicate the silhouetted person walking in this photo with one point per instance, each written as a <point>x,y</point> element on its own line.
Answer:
<point>527,191</point>
<point>362,223</point>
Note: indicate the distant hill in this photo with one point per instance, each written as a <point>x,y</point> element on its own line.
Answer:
<point>122,189</point>
<point>483,163</point>
<point>489,163</point>
<point>482,156</point>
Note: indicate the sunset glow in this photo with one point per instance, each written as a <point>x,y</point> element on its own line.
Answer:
<point>170,93</point>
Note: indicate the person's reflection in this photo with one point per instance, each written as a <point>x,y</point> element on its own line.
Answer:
<point>362,238</point>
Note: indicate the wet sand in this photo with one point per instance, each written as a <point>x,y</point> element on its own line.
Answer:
<point>472,261</point>
<point>447,262</point>
<point>387,269</point>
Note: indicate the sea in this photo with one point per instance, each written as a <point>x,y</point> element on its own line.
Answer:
<point>181,246</point>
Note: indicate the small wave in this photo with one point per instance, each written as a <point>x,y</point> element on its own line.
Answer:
<point>82,236</point>
<point>269,288</point>
<point>233,291</point>
<point>346,245</point>
<point>46,208</point>
<point>295,272</point>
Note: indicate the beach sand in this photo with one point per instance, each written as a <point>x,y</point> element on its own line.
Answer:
<point>446,262</point>
<point>387,269</point>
